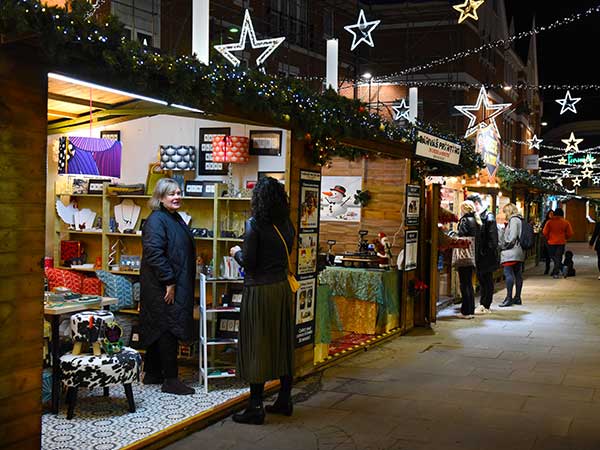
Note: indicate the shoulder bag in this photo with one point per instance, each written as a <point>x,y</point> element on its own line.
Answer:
<point>464,256</point>
<point>294,285</point>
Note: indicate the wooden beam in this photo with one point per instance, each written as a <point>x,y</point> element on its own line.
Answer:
<point>83,125</point>
<point>78,101</point>
<point>396,150</point>
<point>54,112</point>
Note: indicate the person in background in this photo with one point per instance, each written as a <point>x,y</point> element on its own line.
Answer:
<point>167,279</point>
<point>557,232</point>
<point>266,339</point>
<point>512,255</point>
<point>487,254</point>
<point>545,250</point>
<point>595,239</point>
<point>468,226</point>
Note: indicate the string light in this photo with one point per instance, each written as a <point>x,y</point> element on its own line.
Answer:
<point>466,86</point>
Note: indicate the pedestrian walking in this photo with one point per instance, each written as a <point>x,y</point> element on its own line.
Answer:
<point>486,257</point>
<point>266,339</point>
<point>512,255</point>
<point>468,226</point>
<point>544,247</point>
<point>557,232</point>
<point>595,242</point>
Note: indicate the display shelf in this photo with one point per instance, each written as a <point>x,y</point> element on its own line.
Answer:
<point>124,272</point>
<point>244,199</point>
<point>221,239</point>
<point>224,309</point>
<point>78,269</point>
<point>215,341</point>
<point>224,280</point>
<point>129,311</point>
<point>128,196</point>
<point>110,233</point>
<point>66,230</point>
<point>203,238</point>
<point>78,195</point>
<point>222,374</point>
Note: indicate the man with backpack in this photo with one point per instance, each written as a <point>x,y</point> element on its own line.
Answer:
<point>557,232</point>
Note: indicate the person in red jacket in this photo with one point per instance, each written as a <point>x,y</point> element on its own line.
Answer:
<point>557,232</point>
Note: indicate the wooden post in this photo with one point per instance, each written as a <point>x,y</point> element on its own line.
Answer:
<point>23,83</point>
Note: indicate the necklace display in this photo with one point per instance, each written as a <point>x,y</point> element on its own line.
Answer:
<point>126,215</point>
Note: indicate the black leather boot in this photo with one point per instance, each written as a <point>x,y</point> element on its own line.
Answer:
<point>177,387</point>
<point>517,301</point>
<point>283,405</point>
<point>506,303</point>
<point>254,415</point>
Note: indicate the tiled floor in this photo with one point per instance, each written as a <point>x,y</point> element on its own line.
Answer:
<point>524,378</point>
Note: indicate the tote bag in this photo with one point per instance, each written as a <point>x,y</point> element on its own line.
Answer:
<point>464,256</point>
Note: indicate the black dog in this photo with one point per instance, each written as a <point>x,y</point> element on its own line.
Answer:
<point>568,269</point>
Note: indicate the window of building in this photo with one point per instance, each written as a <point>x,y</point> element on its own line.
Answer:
<point>289,18</point>
<point>141,18</point>
<point>328,24</point>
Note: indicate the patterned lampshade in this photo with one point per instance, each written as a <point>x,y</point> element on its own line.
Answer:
<point>181,157</point>
<point>231,149</point>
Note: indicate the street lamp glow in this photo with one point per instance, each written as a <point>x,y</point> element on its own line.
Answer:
<point>544,124</point>
<point>507,88</point>
<point>367,76</point>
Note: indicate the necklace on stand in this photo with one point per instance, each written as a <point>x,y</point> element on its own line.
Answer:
<point>127,218</point>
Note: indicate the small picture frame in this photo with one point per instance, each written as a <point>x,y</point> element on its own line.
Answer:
<point>114,135</point>
<point>95,186</point>
<point>194,188</point>
<point>227,325</point>
<point>208,188</point>
<point>265,142</point>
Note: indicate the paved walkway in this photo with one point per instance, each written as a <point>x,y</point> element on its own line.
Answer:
<point>526,378</point>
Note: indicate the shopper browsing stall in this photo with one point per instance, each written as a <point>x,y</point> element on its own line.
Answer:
<point>167,277</point>
<point>512,255</point>
<point>469,226</point>
<point>266,340</point>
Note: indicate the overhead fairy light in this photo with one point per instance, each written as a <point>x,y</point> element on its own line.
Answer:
<point>364,30</point>
<point>248,30</point>
<point>572,143</point>
<point>534,142</point>
<point>466,85</point>
<point>568,103</point>
<point>401,111</point>
<point>500,43</point>
<point>468,9</point>
<point>489,113</point>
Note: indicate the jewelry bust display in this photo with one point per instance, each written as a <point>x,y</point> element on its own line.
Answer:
<point>127,214</point>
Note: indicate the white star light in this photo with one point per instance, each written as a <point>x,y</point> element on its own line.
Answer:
<point>401,111</point>
<point>589,161</point>
<point>576,181</point>
<point>568,103</point>
<point>566,172</point>
<point>559,181</point>
<point>534,142</point>
<point>562,160</point>
<point>483,103</point>
<point>364,31</point>
<point>248,29</point>
<point>572,143</point>
<point>587,173</point>
<point>596,180</point>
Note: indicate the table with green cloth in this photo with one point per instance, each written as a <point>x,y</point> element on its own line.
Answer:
<point>381,287</point>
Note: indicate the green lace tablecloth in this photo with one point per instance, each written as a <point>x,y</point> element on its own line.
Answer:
<point>381,287</point>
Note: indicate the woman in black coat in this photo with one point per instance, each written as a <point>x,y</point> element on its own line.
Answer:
<point>595,241</point>
<point>167,277</point>
<point>468,226</point>
<point>266,339</point>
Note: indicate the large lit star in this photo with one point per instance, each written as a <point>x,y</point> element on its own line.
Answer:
<point>468,9</point>
<point>488,110</point>
<point>587,173</point>
<point>363,32</point>
<point>401,111</point>
<point>576,181</point>
<point>572,143</point>
<point>568,103</point>
<point>248,30</point>
<point>534,142</point>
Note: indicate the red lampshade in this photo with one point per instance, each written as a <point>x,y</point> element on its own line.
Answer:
<point>231,149</point>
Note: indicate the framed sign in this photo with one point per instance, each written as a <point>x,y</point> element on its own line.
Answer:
<point>411,247</point>
<point>95,186</point>
<point>113,135</point>
<point>413,205</point>
<point>193,188</point>
<point>206,165</point>
<point>208,188</point>
<point>265,142</point>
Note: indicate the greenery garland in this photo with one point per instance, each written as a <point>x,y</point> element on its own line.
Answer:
<point>100,51</point>
<point>509,176</point>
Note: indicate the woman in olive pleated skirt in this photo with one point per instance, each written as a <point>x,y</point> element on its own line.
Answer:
<point>266,338</point>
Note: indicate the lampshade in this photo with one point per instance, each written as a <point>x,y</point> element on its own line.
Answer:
<point>231,149</point>
<point>177,157</point>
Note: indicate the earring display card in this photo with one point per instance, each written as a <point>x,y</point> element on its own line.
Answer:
<point>228,325</point>
<point>206,165</point>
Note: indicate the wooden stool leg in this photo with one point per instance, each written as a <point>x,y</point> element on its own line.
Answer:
<point>129,394</point>
<point>71,400</point>
<point>106,391</point>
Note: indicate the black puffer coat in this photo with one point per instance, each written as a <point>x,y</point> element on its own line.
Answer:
<point>168,257</point>
<point>487,255</point>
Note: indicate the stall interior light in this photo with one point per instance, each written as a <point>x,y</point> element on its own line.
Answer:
<point>367,76</point>
<point>499,193</point>
<point>59,77</point>
<point>463,181</point>
<point>544,124</point>
<point>187,108</point>
<point>478,182</point>
<point>507,88</point>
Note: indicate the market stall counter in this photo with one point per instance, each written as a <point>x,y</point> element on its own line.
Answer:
<point>353,306</point>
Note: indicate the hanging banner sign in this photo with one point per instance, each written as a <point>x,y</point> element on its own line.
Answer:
<point>531,162</point>
<point>433,147</point>
<point>488,145</point>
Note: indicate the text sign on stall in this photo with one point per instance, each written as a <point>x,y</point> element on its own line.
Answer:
<point>433,147</point>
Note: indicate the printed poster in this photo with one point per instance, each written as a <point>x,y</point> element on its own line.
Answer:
<point>411,249</point>
<point>337,199</point>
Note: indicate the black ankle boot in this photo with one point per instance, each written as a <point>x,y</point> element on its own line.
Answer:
<point>517,301</point>
<point>506,303</point>
<point>177,387</point>
<point>254,415</point>
<point>284,407</point>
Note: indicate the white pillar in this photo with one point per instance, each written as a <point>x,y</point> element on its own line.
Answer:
<point>332,64</point>
<point>200,27</point>
<point>413,103</point>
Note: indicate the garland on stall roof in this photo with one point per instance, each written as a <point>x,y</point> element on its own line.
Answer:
<point>99,51</point>
<point>509,176</point>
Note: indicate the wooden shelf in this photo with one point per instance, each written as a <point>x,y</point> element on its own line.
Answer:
<point>221,239</point>
<point>128,196</point>
<point>246,199</point>
<point>124,272</point>
<point>124,234</point>
<point>79,195</point>
<point>203,238</point>
<point>93,269</point>
<point>212,341</point>
<point>129,311</point>
<point>98,233</point>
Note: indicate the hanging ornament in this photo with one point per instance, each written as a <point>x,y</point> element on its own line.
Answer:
<point>568,103</point>
<point>363,34</point>
<point>401,111</point>
<point>488,110</point>
<point>572,143</point>
<point>576,181</point>
<point>248,29</point>
<point>587,173</point>
<point>468,9</point>
<point>534,142</point>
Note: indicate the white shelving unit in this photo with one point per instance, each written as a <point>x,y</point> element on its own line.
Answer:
<point>206,341</point>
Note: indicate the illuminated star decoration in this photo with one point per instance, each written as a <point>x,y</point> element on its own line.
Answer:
<point>589,161</point>
<point>568,103</point>
<point>576,181</point>
<point>364,31</point>
<point>248,29</point>
<point>534,142</point>
<point>490,112</point>
<point>566,173</point>
<point>572,143</point>
<point>468,9</point>
<point>587,173</point>
<point>562,160</point>
<point>559,181</point>
<point>401,111</point>
<point>596,180</point>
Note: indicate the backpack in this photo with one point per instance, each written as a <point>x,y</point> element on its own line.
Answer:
<point>527,239</point>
